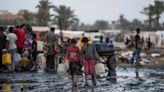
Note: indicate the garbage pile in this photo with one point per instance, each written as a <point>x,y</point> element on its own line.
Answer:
<point>144,58</point>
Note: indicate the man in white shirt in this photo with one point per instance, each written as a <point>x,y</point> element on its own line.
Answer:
<point>11,47</point>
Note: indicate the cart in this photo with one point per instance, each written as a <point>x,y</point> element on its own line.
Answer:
<point>108,55</point>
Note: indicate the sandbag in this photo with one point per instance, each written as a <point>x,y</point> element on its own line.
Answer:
<point>24,62</point>
<point>61,71</point>
<point>99,68</point>
<point>6,59</point>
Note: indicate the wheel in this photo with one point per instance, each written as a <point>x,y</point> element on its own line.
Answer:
<point>111,63</point>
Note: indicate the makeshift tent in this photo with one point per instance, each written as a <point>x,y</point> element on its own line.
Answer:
<point>160,38</point>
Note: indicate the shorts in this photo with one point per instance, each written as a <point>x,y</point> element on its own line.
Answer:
<point>73,67</point>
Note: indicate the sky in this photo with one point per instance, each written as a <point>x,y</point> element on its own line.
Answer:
<point>88,11</point>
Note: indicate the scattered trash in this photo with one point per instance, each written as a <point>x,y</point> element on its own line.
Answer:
<point>155,55</point>
<point>127,54</point>
<point>137,63</point>
<point>143,55</point>
<point>142,62</point>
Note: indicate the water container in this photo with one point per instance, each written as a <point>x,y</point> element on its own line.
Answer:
<point>61,71</point>
<point>6,87</point>
<point>6,59</point>
<point>99,68</point>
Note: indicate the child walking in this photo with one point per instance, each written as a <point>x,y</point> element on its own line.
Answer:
<point>34,53</point>
<point>89,56</point>
<point>73,57</point>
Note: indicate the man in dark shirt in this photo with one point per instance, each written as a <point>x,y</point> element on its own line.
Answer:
<point>137,39</point>
<point>34,53</point>
<point>136,53</point>
<point>2,44</point>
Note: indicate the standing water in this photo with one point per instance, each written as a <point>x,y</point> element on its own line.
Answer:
<point>128,80</point>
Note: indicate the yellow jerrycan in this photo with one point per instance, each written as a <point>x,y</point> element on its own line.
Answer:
<point>6,87</point>
<point>6,59</point>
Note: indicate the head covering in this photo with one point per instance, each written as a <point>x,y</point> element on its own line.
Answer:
<point>85,39</point>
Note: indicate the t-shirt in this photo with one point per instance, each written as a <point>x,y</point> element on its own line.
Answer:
<point>27,44</point>
<point>137,40</point>
<point>51,38</point>
<point>34,45</point>
<point>111,45</point>
<point>2,41</point>
<point>73,54</point>
<point>21,38</point>
<point>11,37</point>
<point>90,52</point>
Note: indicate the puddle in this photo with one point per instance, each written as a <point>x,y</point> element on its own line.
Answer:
<point>126,79</point>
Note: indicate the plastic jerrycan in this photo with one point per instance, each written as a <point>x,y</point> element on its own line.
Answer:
<point>6,59</point>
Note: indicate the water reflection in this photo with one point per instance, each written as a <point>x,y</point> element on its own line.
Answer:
<point>124,80</point>
<point>74,89</point>
<point>6,87</point>
<point>89,89</point>
<point>112,76</point>
<point>136,72</point>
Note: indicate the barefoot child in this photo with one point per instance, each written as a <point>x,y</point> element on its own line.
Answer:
<point>89,55</point>
<point>73,57</point>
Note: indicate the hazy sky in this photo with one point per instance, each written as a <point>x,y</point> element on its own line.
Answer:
<point>88,10</point>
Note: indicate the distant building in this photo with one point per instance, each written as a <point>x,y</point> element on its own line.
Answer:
<point>7,17</point>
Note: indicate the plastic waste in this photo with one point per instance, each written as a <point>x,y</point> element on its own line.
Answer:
<point>128,54</point>
<point>137,63</point>
<point>155,55</point>
<point>143,54</point>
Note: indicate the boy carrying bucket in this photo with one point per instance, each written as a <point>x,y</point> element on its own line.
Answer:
<point>89,57</point>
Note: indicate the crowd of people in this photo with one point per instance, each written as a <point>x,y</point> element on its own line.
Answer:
<point>146,44</point>
<point>85,56</point>
<point>21,43</point>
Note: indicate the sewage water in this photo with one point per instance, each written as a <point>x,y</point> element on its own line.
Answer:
<point>127,79</point>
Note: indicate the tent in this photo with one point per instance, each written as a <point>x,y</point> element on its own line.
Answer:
<point>160,38</point>
<point>160,34</point>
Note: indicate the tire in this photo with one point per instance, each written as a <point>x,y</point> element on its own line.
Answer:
<point>111,63</point>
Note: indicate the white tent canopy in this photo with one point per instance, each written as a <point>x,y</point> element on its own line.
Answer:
<point>66,33</point>
<point>160,34</point>
<point>160,38</point>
